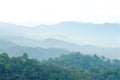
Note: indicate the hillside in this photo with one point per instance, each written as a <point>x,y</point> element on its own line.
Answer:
<point>80,33</point>
<point>34,52</point>
<point>112,53</point>
<point>6,44</point>
<point>24,68</point>
<point>88,38</point>
<point>80,61</point>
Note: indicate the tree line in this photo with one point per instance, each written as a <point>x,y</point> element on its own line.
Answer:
<point>72,66</point>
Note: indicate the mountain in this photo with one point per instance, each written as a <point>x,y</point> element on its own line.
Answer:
<point>37,53</point>
<point>6,44</point>
<point>88,38</point>
<point>51,41</point>
<point>106,34</point>
<point>34,52</point>
<point>40,53</point>
<point>22,42</point>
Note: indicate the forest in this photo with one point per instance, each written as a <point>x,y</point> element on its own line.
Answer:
<point>59,39</point>
<point>72,66</point>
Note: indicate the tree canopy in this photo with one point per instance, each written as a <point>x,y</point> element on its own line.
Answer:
<point>74,66</point>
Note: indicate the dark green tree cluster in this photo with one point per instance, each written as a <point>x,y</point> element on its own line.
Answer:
<point>79,61</point>
<point>74,66</point>
<point>88,67</point>
<point>23,68</point>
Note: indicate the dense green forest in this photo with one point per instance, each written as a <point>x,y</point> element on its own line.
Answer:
<point>78,61</point>
<point>72,66</point>
<point>23,68</point>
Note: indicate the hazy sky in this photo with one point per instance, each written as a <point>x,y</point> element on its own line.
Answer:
<point>53,11</point>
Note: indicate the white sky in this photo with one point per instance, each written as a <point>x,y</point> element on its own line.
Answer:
<point>53,11</point>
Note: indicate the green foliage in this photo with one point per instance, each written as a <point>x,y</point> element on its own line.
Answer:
<point>74,66</point>
<point>23,68</point>
<point>79,61</point>
<point>88,67</point>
